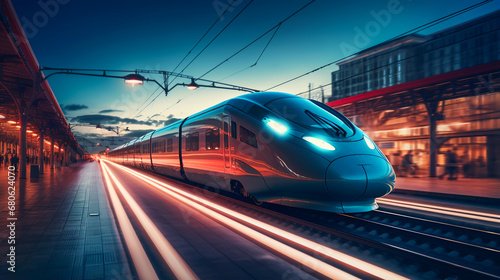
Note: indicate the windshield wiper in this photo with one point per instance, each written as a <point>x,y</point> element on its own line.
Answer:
<point>326,123</point>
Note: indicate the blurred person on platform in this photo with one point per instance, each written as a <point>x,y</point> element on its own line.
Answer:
<point>14,160</point>
<point>467,165</point>
<point>451,165</point>
<point>408,164</point>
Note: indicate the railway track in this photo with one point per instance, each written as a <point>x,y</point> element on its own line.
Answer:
<point>477,250</point>
<point>412,254</point>
<point>409,247</point>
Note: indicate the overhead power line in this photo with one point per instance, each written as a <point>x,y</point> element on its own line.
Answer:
<point>258,38</point>
<point>216,36</point>
<point>157,88</point>
<point>202,37</point>
<point>256,61</point>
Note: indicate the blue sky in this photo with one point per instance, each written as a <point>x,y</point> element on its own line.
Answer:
<point>158,34</point>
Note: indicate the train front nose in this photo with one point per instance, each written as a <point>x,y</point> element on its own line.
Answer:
<point>359,177</point>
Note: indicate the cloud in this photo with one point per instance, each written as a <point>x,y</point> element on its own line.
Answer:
<point>171,120</point>
<point>74,107</point>
<point>106,119</point>
<point>109,111</point>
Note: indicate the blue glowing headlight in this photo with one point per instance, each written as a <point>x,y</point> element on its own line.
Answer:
<point>320,143</point>
<point>369,142</point>
<point>277,126</point>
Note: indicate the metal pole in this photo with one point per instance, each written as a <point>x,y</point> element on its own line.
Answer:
<point>165,82</point>
<point>433,145</point>
<point>52,152</point>
<point>322,95</point>
<point>22,146</point>
<point>40,153</point>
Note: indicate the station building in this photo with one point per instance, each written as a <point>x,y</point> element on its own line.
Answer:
<point>429,94</point>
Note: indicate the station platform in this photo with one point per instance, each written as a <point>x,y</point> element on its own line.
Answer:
<point>476,190</point>
<point>65,228</point>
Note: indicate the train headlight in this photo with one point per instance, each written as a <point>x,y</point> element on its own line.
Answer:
<point>320,143</point>
<point>276,126</point>
<point>369,142</point>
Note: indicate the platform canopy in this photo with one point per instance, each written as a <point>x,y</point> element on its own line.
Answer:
<point>25,93</point>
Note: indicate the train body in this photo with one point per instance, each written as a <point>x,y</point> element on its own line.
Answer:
<point>272,147</point>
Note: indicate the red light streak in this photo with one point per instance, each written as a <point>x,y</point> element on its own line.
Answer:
<point>315,264</point>
<point>168,252</point>
<point>140,259</point>
<point>443,210</point>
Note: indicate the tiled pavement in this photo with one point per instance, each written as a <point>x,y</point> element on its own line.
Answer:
<point>65,228</point>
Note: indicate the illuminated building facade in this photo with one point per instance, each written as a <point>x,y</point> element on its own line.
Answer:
<point>430,94</point>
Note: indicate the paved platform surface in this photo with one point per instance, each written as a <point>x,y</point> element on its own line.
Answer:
<point>471,189</point>
<point>65,228</point>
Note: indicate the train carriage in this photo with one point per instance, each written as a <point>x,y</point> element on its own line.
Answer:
<point>272,147</point>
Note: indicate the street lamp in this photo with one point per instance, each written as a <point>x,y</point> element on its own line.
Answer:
<point>193,85</point>
<point>134,79</point>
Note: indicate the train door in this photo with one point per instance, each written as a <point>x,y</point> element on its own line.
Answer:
<point>226,149</point>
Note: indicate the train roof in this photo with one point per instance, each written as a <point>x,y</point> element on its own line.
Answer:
<point>264,97</point>
<point>260,98</point>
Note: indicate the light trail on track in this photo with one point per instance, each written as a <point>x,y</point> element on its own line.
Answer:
<point>483,216</point>
<point>178,266</point>
<point>235,221</point>
<point>139,257</point>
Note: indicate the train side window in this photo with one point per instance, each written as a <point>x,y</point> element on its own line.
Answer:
<point>226,135</point>
<point>164,146</point>
<point>246,136</point>
<point>169,145</point>
<point>195,141</point>
<point>208,139</point>
<point>233,130</point>
<point>215,139</point>
<point>188,142</point>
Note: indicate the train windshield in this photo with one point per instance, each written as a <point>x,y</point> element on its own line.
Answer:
<point>312,115</point>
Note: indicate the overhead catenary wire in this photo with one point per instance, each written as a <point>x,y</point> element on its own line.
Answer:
<point>157,88</point>
<point>202,37</point>
<point>258,38</point>
<point>413,30</point>
<point>273,28</point>
<point>255,63</point>
<point>148,104</point>
<point>213,39</point>
<point>417,29</point>
<point>198,53</point>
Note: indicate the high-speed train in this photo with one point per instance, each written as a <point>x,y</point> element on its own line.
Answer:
<point>271,147</point>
